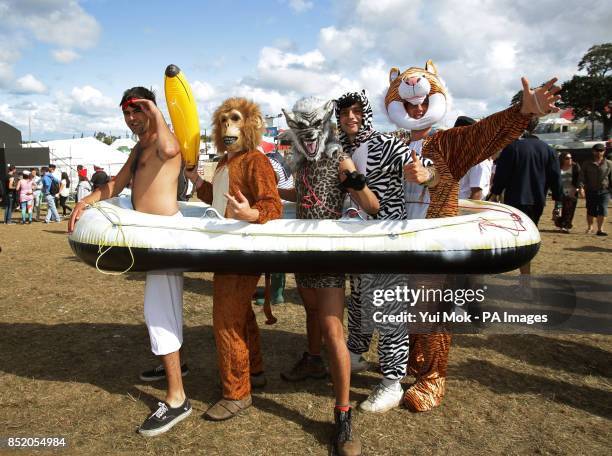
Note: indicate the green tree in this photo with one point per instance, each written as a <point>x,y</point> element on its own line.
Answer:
<point>103,137</point>
<point>598,60</point>
<point>591,96</point>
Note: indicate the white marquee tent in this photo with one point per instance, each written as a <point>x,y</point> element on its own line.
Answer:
<point>66,154</point>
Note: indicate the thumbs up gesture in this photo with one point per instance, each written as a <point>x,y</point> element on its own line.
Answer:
<point>415,171</point>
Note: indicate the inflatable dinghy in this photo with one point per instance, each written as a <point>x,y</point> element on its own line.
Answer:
<point>489,238</point>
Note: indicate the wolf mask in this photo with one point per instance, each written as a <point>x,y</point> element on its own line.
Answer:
<point>311,130</point>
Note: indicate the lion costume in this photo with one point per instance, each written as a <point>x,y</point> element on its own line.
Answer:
<point>250,173</point>
<point>453,152</point>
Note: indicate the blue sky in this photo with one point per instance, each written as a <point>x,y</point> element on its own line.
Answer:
<point>67,62</point>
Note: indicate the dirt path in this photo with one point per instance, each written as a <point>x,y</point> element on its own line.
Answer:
<point>73,342</point>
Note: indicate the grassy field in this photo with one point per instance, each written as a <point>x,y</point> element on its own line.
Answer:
<point>73,342</point>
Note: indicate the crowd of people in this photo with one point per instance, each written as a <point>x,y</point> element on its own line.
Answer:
<point>386,177</point>
<point>27,189</point>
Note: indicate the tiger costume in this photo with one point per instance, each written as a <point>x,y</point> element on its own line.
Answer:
<point>454,152</point>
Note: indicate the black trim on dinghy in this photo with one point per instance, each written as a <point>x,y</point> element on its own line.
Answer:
<point>485,261</point>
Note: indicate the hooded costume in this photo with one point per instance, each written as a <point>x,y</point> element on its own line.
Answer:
<point>453,152</point>
<point>381,158</point>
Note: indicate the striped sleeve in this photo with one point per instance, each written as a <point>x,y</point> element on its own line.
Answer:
<point>463,147</point>
<point>282,180</point>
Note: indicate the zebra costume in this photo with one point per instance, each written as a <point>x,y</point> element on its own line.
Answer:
<point>381,158</point>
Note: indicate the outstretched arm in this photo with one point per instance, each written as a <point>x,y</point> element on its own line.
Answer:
<point>106,191</point>
<point>463,147</point>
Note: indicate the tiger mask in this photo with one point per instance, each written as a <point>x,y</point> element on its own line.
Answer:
<point>415,86</point>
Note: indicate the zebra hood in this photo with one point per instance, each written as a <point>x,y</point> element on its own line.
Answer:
<point>365,131</point>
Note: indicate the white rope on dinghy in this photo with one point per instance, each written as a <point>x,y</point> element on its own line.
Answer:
<point>104,249</point>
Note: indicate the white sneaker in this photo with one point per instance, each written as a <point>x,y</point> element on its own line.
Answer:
<point>383,399</point>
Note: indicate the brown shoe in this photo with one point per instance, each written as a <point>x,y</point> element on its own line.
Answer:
<point>226,409</point>
<point>344,442</point>
<point>307,367</point>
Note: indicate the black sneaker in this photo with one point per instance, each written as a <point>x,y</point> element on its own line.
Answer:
<point>164,418</point>
<point>159,373</point>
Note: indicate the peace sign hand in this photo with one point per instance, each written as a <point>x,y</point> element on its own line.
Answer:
<point>238,208</point>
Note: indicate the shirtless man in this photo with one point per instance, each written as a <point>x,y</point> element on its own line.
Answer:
<point>153,167</point>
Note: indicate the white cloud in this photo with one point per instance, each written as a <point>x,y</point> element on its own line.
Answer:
<point>301,73</point>
<point>62,116</point>
<point>344,44</point>
<point>6,113</point>
<point>60,22</point>
<point>89,101</point>
<point>299,6</point>
<point>202,91</point>
<point>28,84</point>
<point>480,48</point>
<point>8,55</point>
<point>65,55</point>
<point>272,57</point>
<point>6,73</point>
<point>389,11</point>
<point>57,22</point>
<point>270,101</point>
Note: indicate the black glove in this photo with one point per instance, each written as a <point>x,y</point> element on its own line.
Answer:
<point>353,180</point>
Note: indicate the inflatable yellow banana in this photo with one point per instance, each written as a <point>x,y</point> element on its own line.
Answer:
<point>184,114</point>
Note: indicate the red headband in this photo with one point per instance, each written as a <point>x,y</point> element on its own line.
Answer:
<point>128,102</point>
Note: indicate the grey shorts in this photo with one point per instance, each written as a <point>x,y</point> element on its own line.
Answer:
<point>597,203</point>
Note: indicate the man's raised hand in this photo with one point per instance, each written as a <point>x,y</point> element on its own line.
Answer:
<point>147,107</point>
<point>540,101</point>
